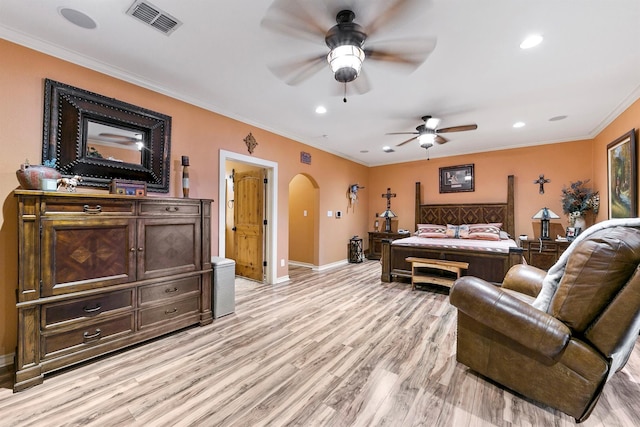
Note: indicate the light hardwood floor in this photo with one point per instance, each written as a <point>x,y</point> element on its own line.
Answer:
<point>336,348</point>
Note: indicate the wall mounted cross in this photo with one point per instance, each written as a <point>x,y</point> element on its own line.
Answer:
<point>541,181</point>
<point>389,195</point>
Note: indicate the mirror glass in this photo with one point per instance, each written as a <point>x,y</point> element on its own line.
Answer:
<point>114,144</point>
<point>102,139</point>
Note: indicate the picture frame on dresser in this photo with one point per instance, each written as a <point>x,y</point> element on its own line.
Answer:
<point>622,175</point>
<point>454,179</point>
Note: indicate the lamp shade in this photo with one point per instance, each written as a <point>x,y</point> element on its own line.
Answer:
<point>388,214</point>
<point>545,213</point>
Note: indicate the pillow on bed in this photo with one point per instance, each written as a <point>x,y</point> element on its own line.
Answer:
<point>432,231</point>
<point>484,231</point>
<point>504,235</point>
<point>457,231</point>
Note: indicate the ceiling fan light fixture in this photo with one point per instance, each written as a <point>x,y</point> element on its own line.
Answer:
<point>346,62</point>
<point>426,140</point>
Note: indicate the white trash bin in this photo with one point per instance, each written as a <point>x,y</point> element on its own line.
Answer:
<point>224,286</point>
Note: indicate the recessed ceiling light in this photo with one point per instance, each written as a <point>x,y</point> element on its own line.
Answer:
<point>531,41</point>
<point>321,109</point>
<point>557,118</point>
<point>78,18</point>
<point>387,149</point>
<point>518,124</point>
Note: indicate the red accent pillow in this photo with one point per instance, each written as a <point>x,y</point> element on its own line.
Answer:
<point>432,231</point>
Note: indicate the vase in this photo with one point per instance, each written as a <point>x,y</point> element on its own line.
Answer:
<point>31,177</point>
<point>579,221</point>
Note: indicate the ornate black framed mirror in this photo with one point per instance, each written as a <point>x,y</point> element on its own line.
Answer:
<point>101,138</point>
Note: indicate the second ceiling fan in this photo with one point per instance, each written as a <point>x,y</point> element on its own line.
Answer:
<point>428,132</point>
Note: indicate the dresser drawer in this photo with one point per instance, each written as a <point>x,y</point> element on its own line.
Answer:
<point>87,335</point>
<point>82,308</point>
<point>165,290</point>
<point>168,208</point>
<point>169,311</point>
<point>59,206</point>
<point>544,247</point>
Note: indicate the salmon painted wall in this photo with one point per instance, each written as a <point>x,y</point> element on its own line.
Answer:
<point>196,133</point>
<point>303,216</point>
<point>629,119</point>
<point>561,163</point>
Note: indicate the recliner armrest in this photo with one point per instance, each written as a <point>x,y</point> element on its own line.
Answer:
<point>507,315</point>
<point>525,279</point>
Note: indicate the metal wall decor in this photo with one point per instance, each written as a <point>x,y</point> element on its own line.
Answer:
<point>251,143</point>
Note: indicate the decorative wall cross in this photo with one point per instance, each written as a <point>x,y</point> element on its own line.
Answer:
<point>389,195</point>
<point>251,143</point>
<point>541,181</point>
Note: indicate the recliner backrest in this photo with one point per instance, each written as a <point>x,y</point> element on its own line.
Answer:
<point>597,270</point>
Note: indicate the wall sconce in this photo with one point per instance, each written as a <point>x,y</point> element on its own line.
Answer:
<point>544,215</point>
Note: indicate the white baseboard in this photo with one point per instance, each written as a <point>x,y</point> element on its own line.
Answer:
<point>6,360</point>
<point>301,264</point>
<point>282,279</point>
<point>319,267</point>
<point>332,265</point>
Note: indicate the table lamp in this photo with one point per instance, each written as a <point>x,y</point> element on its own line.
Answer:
<point>387,215</point>
<point>544,215</point>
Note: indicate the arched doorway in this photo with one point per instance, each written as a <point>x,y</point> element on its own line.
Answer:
<point>304,220</point>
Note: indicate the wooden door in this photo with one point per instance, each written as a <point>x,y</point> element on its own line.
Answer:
<point>249,223</point>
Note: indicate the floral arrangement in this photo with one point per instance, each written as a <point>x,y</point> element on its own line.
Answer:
<point>579,198</point>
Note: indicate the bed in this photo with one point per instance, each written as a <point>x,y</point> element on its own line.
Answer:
<point>488,261</point>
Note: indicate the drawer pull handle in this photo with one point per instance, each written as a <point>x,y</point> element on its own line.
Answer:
<point>171,290</point>
<point>95,335</point>
<point>98,307</point>
<point>88,209</point>
<point>170,311</point>
<point>172,209</point>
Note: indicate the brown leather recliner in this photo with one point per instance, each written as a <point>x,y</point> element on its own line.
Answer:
<point>558,346</point>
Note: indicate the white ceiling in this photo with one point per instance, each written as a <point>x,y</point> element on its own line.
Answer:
<point>587,68</point>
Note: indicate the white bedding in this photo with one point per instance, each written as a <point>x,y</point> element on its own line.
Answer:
<point>501,246</point>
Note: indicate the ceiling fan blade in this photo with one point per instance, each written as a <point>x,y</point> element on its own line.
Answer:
<point>292,19</point>
<point>123,138</point>
<point>457,128</point>
<point>408,140</point>
<point>295,72</point>
<point>440,140</point>
<point>410,53</point>
<point>362,84</point>
<point>388,15</point>
<point>402,133</point>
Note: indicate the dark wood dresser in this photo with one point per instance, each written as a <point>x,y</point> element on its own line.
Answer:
<point>99,272</point>
<point>375,242</point>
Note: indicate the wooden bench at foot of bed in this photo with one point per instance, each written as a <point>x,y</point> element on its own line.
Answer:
<point>432,271</point>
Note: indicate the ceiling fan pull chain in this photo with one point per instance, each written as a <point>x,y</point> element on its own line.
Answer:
<point>345,93</point>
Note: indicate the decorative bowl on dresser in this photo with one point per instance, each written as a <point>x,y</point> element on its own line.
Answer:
<point>99,272</point>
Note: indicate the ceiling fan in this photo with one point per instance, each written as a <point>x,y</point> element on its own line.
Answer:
<point>346,42</point>
<point>121,139</point>
<point>428,132</point>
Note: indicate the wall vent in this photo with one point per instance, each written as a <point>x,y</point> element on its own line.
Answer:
<point>154,16</point>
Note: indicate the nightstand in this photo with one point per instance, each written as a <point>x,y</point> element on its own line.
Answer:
<point>543,253</point>
<point>375,242</point>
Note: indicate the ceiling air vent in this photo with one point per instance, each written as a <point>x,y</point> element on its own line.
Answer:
<point>153,16</point>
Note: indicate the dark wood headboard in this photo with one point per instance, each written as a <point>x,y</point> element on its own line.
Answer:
<point>468,213</point>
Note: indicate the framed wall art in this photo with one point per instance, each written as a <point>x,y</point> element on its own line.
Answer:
<point>454,179</point>
<point>622,175</point>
